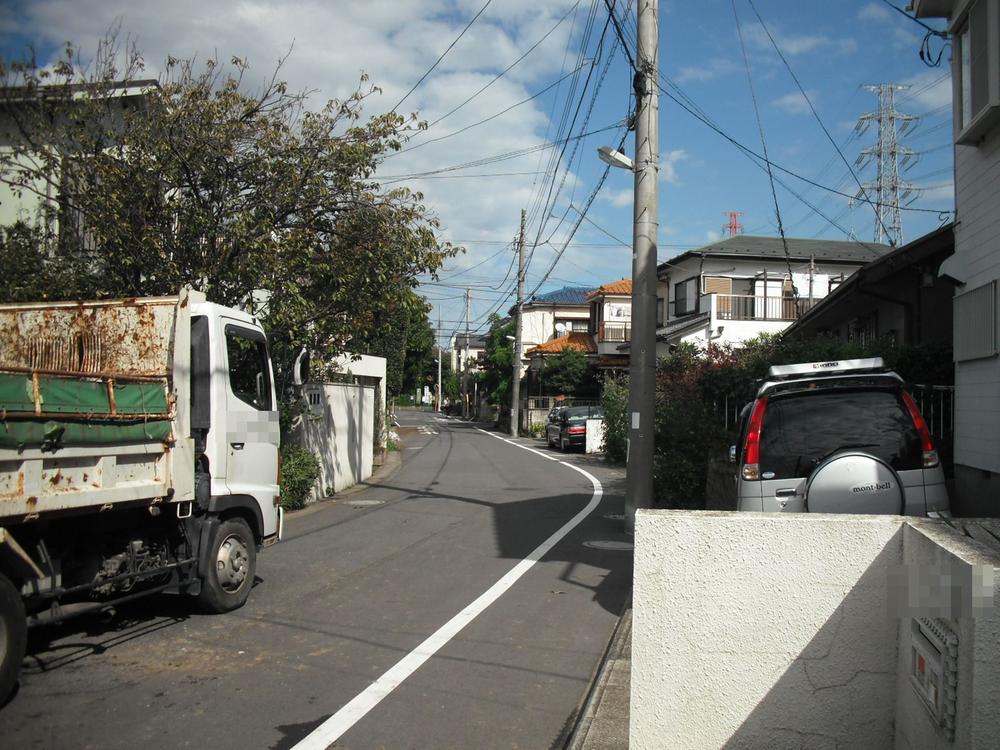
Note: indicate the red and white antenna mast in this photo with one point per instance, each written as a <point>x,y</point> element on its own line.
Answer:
<point>733,227</point>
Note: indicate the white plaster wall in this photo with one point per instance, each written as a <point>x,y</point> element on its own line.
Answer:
<point>367,366</point>
<point>536,328</point>
<point>763,631</point>
<point>931,547</point>
<point>340,431</point>
<point>595,436</point>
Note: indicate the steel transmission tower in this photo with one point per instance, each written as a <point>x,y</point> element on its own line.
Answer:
<point>887,190</point>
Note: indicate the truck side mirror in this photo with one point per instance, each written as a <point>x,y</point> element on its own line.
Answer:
<point>300,370</point>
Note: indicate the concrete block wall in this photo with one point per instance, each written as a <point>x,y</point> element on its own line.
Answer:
<point>340,430</point>
<point>930,550</point>
<point>762,631</point>
<point>795,630</point>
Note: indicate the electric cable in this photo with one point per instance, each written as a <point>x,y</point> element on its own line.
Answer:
<point>436,62</point>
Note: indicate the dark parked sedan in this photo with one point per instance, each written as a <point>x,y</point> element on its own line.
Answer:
<point>570,426</point>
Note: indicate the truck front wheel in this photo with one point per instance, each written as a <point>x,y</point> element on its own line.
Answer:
<point>13,636</point>
<point>232,562</point>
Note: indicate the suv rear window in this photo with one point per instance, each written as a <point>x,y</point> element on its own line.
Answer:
<point>801,430</point>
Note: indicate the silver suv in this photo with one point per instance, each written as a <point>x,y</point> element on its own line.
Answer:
<point>837,437</point>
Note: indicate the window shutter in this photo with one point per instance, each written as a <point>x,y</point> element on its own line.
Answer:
<point>718,285</point>
<point>975,323</point>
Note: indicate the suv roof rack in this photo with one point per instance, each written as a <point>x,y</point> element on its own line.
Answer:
<point>819,369</point>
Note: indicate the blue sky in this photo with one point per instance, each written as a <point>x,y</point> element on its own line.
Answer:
<point>833,48</point>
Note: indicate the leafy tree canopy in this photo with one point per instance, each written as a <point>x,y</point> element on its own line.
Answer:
<point>567,373</point>
<point>202,181</point>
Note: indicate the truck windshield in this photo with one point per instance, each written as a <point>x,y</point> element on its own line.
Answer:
<point>800,431</point>
<point>249,374</point>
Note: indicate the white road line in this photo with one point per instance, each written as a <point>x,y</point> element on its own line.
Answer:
<point>334,728</point>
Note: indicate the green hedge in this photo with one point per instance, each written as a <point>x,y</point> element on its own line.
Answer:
<point>693,386</point>
<point>299,471</point>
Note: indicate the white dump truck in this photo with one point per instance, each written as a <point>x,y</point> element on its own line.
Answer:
<point>138,455</point>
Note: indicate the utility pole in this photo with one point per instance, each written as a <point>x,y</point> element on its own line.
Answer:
<point>642,354</point>
<point>888,189</point>
<point>438,337</point>
<point>515,391</point>
<point>464,359</point>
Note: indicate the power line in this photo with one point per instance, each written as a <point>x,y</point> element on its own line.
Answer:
<point>500,157</point>
<point>812,109</point>
<point>454,42</point>
<point>751,153</point>
<point>763,143</point>
<point>484,121</point>
<point>509,67</point>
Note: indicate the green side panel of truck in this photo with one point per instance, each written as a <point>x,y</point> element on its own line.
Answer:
<point>88,401</point>
<point>53,434</point>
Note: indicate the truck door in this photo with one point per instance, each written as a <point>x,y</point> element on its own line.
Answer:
<point>252,430</point>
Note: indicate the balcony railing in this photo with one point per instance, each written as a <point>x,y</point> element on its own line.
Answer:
<point>740,307</point>
<point>617,333</point>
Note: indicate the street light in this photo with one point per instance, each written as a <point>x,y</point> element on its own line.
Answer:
<point>615,158</point>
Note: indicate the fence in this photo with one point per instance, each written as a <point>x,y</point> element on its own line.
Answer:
<point>742,307</point>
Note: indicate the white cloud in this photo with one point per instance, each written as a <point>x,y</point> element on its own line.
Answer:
<point>713,235</point>
<point>930,89</point>
<point>795,103</point>
<point>619,198</point>
<point>792,44</point>
<point>668,165</point>
<point>714,68</point>
<point>874,12</point>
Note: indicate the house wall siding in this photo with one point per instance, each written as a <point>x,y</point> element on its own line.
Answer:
<point>977,407</point>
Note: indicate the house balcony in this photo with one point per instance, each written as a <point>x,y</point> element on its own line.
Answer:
<point>614,333</point>
<point>743,307</point>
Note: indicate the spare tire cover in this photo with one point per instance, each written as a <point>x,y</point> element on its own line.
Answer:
<point>854,483</point>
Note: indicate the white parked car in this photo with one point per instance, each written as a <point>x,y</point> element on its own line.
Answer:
<point>837,437</point>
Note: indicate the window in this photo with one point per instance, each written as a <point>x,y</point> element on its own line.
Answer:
<point>978,71</point>
<point>685,296</point>
<point>975,323</point>
<point>800,431</point>
<point>249,371</point>
<point>659,311</point>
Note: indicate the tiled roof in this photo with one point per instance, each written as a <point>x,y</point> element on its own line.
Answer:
<point>798,249</point>
<point>622,286</point>
<point>578,341</point>
<point>568,295</point>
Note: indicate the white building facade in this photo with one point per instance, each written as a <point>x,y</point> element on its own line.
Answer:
<point>741,287</point>
<point>974,26</point>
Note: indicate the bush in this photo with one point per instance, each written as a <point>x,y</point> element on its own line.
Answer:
<point>693,386</point>
<point>299,472</point>
<point>614,399</point>
<point>537,429</point>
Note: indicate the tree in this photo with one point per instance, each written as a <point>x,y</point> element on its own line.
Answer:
<point>567,373</point>
<point>404,336</point>
<point>208,184</point>
<point>498,361</point>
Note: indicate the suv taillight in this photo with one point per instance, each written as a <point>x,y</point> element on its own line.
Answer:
<point>751,448</point>
<point>926,443</point>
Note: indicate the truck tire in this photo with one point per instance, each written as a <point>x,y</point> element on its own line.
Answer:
<point>13,636</point>
<point>232,562</point>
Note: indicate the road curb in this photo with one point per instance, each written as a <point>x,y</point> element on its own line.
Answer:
<point>613,729</point>
<point>393,462</point>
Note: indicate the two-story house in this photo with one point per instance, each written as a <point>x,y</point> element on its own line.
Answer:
<point>25,198</point>
<point>466,351</point>
<point>742,286</point>
<point>974,26</point>
<point>552,315</point>
<point>611,323</point>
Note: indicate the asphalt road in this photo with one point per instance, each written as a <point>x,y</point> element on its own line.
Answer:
<point>374,601</point>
